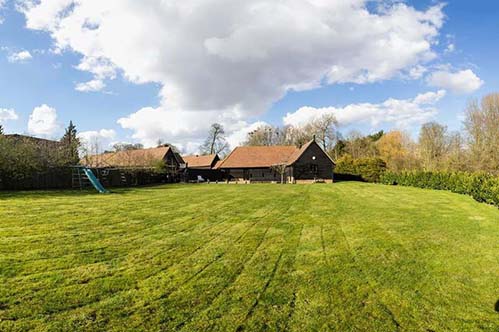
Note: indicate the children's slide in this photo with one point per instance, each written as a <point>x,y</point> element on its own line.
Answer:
<point>94,181</point>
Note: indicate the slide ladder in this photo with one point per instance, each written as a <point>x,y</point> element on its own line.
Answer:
<point>94,181</point>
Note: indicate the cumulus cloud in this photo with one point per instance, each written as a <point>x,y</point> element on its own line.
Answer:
<point>7,114</point>
<point>240,135</point>
<point>96,141</point>
<point>235,57</point>
<point>43,121</point>
<point>461,82</point>
<point>177,127</point>
<point>401,113</point>
<point>90,86</point>
<point>100,67</point>
<point>19,57</point>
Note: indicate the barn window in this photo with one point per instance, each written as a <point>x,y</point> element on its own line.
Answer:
<point>314,168</point>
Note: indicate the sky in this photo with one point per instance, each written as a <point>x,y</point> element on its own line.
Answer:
<point>142,71</point>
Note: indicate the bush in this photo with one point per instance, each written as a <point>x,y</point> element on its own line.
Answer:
<point>363,169</point>
<point>481,186</point>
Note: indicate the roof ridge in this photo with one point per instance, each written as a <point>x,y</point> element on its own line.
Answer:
<point>227,157</point>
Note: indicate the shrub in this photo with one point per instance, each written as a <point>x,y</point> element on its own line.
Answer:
<point>482,187</point>
<point>363,169</point>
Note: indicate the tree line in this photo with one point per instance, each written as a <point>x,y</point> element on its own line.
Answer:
<point>22,156</point>
<point>473,148</point>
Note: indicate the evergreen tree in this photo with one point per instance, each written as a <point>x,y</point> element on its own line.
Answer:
<point>71,144</point>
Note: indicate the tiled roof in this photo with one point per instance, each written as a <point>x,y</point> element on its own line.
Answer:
<point>128,158</point>
<point>258,156</point>
<point>294,157</point>
<point>200,161</point>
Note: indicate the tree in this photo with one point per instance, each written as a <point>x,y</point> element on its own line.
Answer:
<point>127,147</point>
<point>71,145</point>
<point>215,143</point>
<point>324,130</point>
<point>456,158</point>
<point>19,158</point>
<point>359,146</point>
<point>482,128</point>
<point>397,149</point>
<point>264,136</point>
<point>339,149</point>
<point>281,170</point>
<point>432,145</point>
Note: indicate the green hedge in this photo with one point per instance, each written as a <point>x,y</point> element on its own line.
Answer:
<point>481,186</point>
<point>363,169</point>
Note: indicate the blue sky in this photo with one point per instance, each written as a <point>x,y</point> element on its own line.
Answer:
<point>179,78</point>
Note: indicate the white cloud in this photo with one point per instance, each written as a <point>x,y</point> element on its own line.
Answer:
<point>462,82</point>
<point>97,141</point>
<point>100,67</point>
<point>401,113</point>
<point>417,72</point>
<point>238,136</point>
<point>90,86</point>
<point>177,127</point>
<point>7,114</point>
<point>429,98</point>
<point>2,6</point>
<point>234,57</point>
<point>450,48</point>
<point>19,57</point>
<point>43,121</point>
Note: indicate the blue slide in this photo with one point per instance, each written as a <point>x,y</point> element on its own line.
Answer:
<point>94,181</point>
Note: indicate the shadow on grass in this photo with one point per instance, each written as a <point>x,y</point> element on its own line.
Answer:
<point>497,306</point>
<point>84,192</point>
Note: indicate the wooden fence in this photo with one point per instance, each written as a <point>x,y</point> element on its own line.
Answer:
<point>62,178</point>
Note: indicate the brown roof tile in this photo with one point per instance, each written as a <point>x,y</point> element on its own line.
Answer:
<point>258,156</point>
<point>129,158</point>
<point>200,161</point>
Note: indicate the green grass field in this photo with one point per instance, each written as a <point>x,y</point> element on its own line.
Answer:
<point>345,257</point>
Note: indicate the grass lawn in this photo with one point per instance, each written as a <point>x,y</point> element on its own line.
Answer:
<point>346,257</point>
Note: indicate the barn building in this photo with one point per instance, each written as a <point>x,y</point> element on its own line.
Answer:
<point>163,157</point>
<point>289,164</point>
<point>202,168</point>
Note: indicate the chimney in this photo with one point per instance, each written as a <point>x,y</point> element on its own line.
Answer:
<point>314,138</point>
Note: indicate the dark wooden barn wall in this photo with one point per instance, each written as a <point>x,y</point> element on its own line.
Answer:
<point>306,168</point>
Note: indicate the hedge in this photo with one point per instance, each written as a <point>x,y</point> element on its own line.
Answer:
<point>362,169</point>
<point>481,186</point>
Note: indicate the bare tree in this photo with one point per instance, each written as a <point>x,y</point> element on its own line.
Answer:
<point>281,170</point>
<point>432,144</point>
<point>324,129</point>
<point>127,147</point>
<point>216,142</point>
<point>456,158</point>
<point>266,136</point>
<point>482,129</point>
